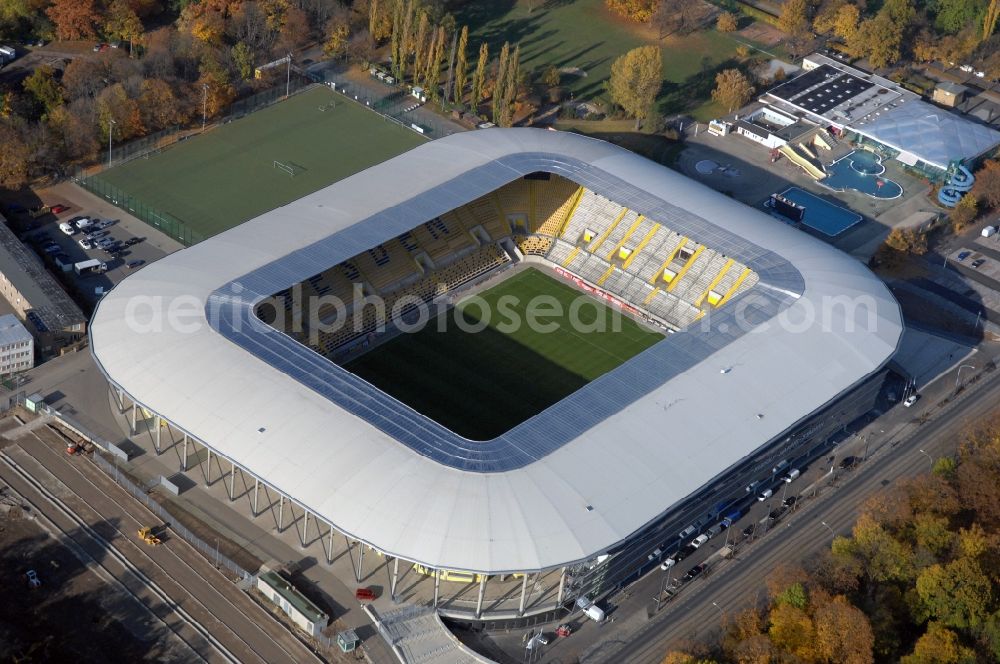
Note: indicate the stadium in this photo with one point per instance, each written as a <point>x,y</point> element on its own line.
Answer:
<point>513,469</point>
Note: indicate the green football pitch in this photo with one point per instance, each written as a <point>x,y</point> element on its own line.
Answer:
<point>479,384</point>
<point>227,176</point>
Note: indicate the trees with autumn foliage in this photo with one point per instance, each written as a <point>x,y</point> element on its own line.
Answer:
<point>915,582</point>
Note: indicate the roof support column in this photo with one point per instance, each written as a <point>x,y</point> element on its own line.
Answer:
<point>131,430</point>
<point>120,401</point>
<point>524,594</point>
<point>209,450</point>
<point>305,529</point>
<point>256,489</point>
<point>329,554</point>
<point>395,578</point>
<point>232,481</point>
<point>562,587</point>
<point>437,586</point>
<point>482,593</point>
<point>184,454</point>
<point>159,425</point>
<point>361,562</point>
<point>281,512</point>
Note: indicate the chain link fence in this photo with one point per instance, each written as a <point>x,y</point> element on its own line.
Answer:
<point>396,105</point>
<point>148,146</point>
<point>210,552</point>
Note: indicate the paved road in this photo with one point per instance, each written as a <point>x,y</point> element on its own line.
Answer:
<point>698,613</point>
<point>239,625</point>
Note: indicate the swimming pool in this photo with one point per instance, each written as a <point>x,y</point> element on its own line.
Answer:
<point>821,215</point>
<point>860,171</point>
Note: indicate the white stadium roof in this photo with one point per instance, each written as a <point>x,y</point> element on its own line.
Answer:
<point>567,484</point>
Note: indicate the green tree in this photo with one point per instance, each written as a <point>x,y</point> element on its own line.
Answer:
<point>879,39</point>
<point>433,70</point>
<point>900,12</point>
<point>951,16</point>
<point>43,86</point>
<point>732,89</point>
<point>939,645</point>
<point>636,78</point>
<point>931,532</point>
<point>990,17</point>
<point>121,22</point>
<point>462,64</point>
<point>423,47</point>
<point>883,558</point>
<point>845,23</point>
<point>958,594</point>
<point>795,595</point>
<point>243,60</point>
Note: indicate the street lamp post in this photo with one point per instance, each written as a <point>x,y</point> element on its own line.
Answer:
<point>827,526</point>
<point>288,74</point>
<point>929,458</point>
<point>204,104</point>
<point>721,612</point>
<point>111,131</point>
<point>958,376</point>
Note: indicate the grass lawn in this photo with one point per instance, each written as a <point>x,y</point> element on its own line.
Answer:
<point>582,34</point>
<point>481,384</point>
<point>227,176</point>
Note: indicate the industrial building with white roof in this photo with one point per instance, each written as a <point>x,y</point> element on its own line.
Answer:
<point>587,487</point>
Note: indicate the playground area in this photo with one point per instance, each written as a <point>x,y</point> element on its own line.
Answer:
<point>212,182</point>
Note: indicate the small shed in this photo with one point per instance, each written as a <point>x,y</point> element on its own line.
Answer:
<point>347,640</point>
<point>33,402</point>
<point>949,94</point>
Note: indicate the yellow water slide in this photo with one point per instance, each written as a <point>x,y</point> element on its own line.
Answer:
<point>801,162</point>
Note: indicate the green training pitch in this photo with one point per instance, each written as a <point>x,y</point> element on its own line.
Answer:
<point>482,383</point>
<point>227,176</point>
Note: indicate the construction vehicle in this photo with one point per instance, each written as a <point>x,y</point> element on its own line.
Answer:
<point>147,536</point>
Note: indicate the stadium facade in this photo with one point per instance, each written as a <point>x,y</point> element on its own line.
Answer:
<point>588,487</point>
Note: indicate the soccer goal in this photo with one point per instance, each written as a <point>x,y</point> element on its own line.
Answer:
<point>288,167</point>
<point>327,107</point>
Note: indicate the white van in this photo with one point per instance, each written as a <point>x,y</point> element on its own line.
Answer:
<point>792,474</point>
<point>699,540</point>
<point>764,495</point>
<point>67,228</point>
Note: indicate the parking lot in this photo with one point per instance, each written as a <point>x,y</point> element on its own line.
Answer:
<point>70,234</point>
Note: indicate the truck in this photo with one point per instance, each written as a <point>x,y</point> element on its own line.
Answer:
<point>92,266</point>
<point>590,609</point>
<point>989,231</point>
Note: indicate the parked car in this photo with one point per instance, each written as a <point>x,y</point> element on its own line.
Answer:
<point>749,530</point>
<point>68,229</point>
<point>699,540</point>
<point>764,495</point>
<point>58,209</point>
<point>792,474</point>
<point>976,263</point>
<point>962,255</point>
<point>82,223</point>
<point>655,555</point>
<point>687,532</point>
<point>695,571</point>
<point>133,240</point>
<point>131,265</point>
<point>85,243</point>
<point>847,462</point>
<point>95,235</point>
<point>682,553</point>
<point>103,223</point>
<point>52,248</point>
<point>668,563</point>
<point>788,502</point>
<point>910,400</point>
